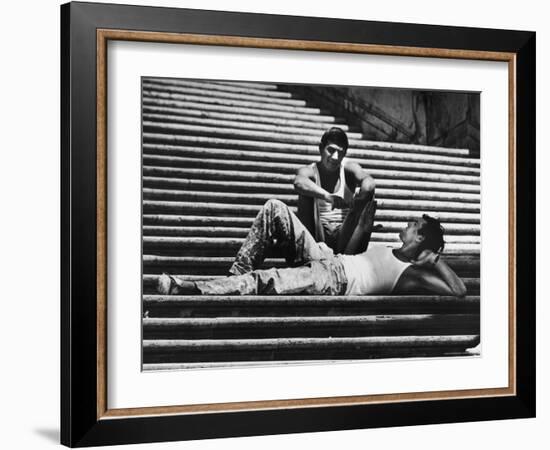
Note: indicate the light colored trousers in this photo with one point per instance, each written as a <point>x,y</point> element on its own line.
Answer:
<point>318,271</point>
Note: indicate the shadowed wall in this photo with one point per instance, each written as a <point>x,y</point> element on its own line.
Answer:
<point>447,119</point>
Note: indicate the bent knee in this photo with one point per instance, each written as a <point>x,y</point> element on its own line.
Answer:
<point>368,186</point>
<point>275,204</point>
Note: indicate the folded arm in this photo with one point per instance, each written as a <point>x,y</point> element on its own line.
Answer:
<point>360,179</point>
<point>437,278</point>
<point>304,184</point>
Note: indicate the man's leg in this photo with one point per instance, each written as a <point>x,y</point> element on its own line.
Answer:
<point>359,221</point>
<point>360,238</point>
<point>361,200</point>
<point>276,225</point>
<point>305,213</point>
<point>325,277</point>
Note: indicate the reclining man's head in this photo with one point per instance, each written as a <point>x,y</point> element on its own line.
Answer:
<point>333,148</point>
<point>425,233</point>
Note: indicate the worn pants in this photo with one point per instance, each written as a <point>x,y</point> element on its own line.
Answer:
<point>320,272</point>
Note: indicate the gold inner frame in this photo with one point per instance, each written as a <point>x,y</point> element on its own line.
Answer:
<point>103,36</point>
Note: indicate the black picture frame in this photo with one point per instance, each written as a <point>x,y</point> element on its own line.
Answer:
<point>81,422</point>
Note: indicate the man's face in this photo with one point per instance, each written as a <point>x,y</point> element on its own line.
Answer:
<point>332,156</point>
<point>411,232</point>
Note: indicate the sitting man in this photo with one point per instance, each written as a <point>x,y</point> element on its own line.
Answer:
<point>333,193</point>
<point>415,267</point>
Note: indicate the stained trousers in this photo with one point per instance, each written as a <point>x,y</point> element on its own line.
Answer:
<point>318,271</point>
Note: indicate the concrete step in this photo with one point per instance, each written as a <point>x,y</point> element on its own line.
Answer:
<point>465,265</point>
<point>309,142</point>
<point>245,222</point>
<point>292,200</point>
<point>150,282</point>
<point>190,350</point>
<point>227,246</point>
<point>149,230</point>
<point>256,96</point>
<point>305,143</point>
<point>151,279</point>
<point>313,119</point>
<point>272,189</point>
<point>177,220</point>
<point>214,86</point>
<point>299,150</point>
<point>219,197</point>
<point>213,180</point>
<point>289,107</point>
<point>246,119</point>
<point>310,326</point>
<point>248,84</point>
<point>247,210</point>
<point>308,121</point>
<point>305,306</point>
<point>166,143</point>
<point>203,266</point>
<point>242,232</point>
<point>158,367</point>
<point>264,114</point>
<point>223,172</point>
<point>378,169</point>
<point>242,122</point>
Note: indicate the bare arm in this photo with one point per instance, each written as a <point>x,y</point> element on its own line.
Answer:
<point>432,276</point>
<point>304,184</point>
<point>361,179</point>
<point>450,277</point>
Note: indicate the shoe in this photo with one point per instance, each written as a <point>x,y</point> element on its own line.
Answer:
<point>164,285</point>
<point>167,285</point>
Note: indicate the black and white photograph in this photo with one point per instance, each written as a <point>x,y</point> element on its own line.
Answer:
<point>300,223</point>
<point>275,225</point>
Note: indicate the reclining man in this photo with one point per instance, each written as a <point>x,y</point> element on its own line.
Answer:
<point>415,267</point>
<point>333,192</point>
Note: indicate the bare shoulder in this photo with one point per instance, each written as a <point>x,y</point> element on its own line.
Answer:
<point>417,280</point>
<point>354,171</point>
<point>417,273</point>
<point>408,282</point>
<point>306,171</point>
<point>351,166</point>
<point>413,273</point>
<point>410,279</point>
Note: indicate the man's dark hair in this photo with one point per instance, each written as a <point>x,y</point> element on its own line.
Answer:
<point>433,234</point>
<point>336,136</point>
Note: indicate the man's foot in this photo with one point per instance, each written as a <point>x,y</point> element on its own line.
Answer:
<point>164,284</point>
<point>167,285</point>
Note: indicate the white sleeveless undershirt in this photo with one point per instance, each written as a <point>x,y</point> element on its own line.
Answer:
<point>326,214</point>
<point>375,271</point>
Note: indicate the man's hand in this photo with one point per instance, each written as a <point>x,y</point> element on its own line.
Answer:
<point>336,202</point>
<point>359,201</point>
<point>427,259</point>
<point>362,195</point>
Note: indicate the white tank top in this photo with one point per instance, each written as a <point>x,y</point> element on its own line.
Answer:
<point>375,271</point>
<point>323,210</point>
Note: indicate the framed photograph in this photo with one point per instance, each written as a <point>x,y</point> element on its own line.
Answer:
<point>278,224</point>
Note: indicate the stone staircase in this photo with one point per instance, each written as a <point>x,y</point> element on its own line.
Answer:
<point>213,153</point>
